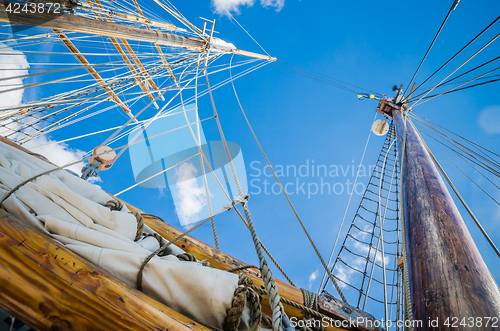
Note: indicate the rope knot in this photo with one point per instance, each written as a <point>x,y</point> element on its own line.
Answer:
<point>114,205</point>
<point>242,295</point>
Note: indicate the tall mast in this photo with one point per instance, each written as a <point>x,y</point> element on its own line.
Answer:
<point>449,279</point>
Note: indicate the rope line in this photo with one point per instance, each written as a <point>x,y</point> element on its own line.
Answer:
<point>287,198</point>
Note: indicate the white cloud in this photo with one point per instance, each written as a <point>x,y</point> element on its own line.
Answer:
<point>59,154</point>
<point>489,120</point>
<point>313,277</point>
<point>273,3</point>
<point>14,64</point>
<point>191,195</point>
<point>220,6</point>
<point>345,273</point>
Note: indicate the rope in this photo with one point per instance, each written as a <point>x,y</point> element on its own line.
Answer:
<point>287,198</point>
<point>463,63</point>
<point>380,240</point>
<point>310,299</point>
<point>267,276</point>
<point>155,235</point>
<point>266,251</point>
<point>214,230</point>
<point>39,156</point>
<point>241,267</point>
<point>408,312</point>
<point>46,173</point>
<point>276,264</point>
<point>346,208</point>
<point>140,224</point>
<point>247,33</point>
<point>272,290</point>
<point>306,309</point>
<point>188,257</point>
<point>114,205</point>
<point>242,294</point>
<point>163,247</point>
<point>470,42</point>
<point>432,43</point>
<point>311,302</point>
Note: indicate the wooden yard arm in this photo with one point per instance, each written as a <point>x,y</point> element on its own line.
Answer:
<point>51,288</point>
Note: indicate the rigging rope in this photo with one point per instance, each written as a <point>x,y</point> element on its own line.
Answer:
<point>287,198</point>
<point>380,239</point>
<point>164,246</point>
<point>408,311</point>
<point>460,51</point>
<point>353,270</point>
<point>461,65</point>
<point>456,88</point>
<point>272,290</point>
<point>465,73</point>
<point>432,43</point>
<point>247,32</point>
<point>346,208</point>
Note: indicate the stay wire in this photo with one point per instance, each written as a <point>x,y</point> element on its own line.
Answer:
<point>459,145</point>
<point>432,43</point>
<point>345,211</point>
<point>461,65</point>
<point>473,160</point>
<point>487,164</point>
<point>247,32</point>
<point>452,79</point>
<point>463,172</point>
<point>457,88</point>
<point>318,79</point>
<point>327,77</point>
<point>288,199</point>
<point>457,53</point>
<point>469,141</point>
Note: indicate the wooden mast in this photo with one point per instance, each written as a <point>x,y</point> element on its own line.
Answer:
<point>449,279</point>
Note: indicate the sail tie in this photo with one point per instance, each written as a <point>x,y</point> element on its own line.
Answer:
<point>164,246</point>
<point>242,294</point>
<point>140,224</point>
<point>114,204</point>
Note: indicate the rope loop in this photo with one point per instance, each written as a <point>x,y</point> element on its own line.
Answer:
<point>113,205</point>
<point>188,257</point>
<point>242,295</point>
<point>140,224</point>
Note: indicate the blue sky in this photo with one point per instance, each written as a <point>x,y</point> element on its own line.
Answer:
<point>299,121</point>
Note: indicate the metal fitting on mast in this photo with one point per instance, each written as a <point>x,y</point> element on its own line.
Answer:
<point>102,158</point>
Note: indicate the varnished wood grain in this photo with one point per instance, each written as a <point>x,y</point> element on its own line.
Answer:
<point>51,288</point>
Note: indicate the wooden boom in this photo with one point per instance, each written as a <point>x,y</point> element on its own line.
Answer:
<point>75,23</point>
<point>448,275</point>
<point>51,288</point>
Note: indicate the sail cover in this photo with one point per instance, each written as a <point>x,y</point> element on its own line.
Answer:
<point>71,211</point>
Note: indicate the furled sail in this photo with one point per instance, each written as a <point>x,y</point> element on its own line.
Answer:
<point>77,214</point>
